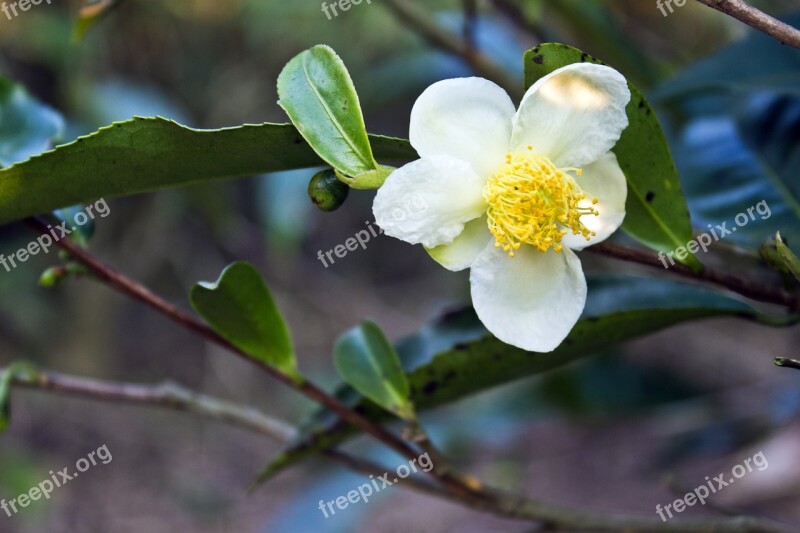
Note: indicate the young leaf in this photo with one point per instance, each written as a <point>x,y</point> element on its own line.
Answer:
<point>317,93</point>
<point>147,154</point>
<point>657,214</point>
<point>240,308</point>
<point>7,375</point>
<point>789,259</point>
<point>367,361</point>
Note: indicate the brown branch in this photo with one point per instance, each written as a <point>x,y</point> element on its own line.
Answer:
<point>746,287</point>
<point>755,18</point>
<point>178,398</point>
<point>420,22</point>
<point>120,282</point>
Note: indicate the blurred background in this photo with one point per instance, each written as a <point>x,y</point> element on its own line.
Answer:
<point>622,431</point>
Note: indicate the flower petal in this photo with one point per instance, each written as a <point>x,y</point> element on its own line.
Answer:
<point>531,300</point>
<point>462,252</point>
<point>605,181</point>
<point>428,201</point>
<point>466,118</point>
<point>573,115</point>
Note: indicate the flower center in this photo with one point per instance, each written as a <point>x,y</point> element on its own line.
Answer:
<point>532,201</point>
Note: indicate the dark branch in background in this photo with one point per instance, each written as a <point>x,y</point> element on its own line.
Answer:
<point>421,23</point>
<point>788,363</point>
<point>552,517</point>
<point>514,13</point>
<point>127,286</point>
<point>470,25</point>
<point>746,287</point>
<point>755,18</point>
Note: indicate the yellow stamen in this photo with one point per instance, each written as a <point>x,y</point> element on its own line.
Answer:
<point>531,201</point>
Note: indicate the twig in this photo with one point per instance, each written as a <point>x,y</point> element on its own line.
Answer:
<point>176,397</point>
<point>788,363</point>
<point>420,22</point>
<point>746,287</point>
<point>120,282</point>
<point>741,10</point>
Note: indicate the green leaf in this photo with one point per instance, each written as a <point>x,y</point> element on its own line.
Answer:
<point>146,154</point>
<point>7,376</point>
<point>455,357</point>
<point>317,93</point>
<point>656,211</point>
<point>790,260</point>
<point>26,126</point>
<point>367,361</point>
<point>240,308</point>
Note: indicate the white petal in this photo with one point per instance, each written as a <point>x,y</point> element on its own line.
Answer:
<point>428,201</point>
<point>605,181</point>
<point>531,300</point>
<point>462,252</point>
<point>573,115</point>
<point>466,118</point>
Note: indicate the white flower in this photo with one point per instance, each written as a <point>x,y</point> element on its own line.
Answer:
<point>510,194</point>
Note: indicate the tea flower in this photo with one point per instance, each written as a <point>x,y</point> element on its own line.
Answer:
<point>511,193</point>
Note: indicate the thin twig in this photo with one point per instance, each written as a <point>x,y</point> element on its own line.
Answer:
<point>755,18</point>
<point>178,398</point>
<point>120,282</point>
<point>555,518</point>
<point>421,23</point>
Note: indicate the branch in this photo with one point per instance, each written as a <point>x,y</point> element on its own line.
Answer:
<point>420,22</point>
<point>741,10</point>
<point>178,398</point>
<point>138,292</point>
<point>746,287</point>
<point>787,363</point>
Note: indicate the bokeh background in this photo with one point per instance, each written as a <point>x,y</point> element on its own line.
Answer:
<point>623,431</point>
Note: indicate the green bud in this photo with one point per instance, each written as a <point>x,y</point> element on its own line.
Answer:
<point>326,191</point>
<point>52,276</point>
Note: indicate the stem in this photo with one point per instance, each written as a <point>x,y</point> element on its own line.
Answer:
<point>746,287</point>
<point>788,363</point>
<point>755,18</point>
<point>133,289</point>
<point>178,398</point>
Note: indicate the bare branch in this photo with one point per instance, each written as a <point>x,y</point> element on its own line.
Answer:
<point>741,10</point>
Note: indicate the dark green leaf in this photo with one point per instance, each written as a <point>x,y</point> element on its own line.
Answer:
<point>367,361</point>
<point>240,308</point>
<point>657,214</point>
<point>317,93</point>
<point>147,154</point>
<point>456,357</point>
